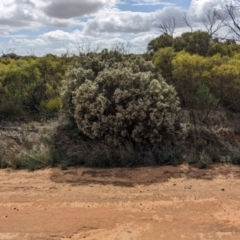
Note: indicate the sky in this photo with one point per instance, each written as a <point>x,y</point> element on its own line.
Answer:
<point>60,27</point>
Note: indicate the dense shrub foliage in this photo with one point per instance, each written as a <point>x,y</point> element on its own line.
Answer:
<point>116,99</point>
<point>197,42</point>
<point>213,64</point>
<point>30,85</point>
<point>160,42</point>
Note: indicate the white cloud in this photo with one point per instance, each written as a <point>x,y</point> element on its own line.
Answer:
<point>57,35</point>
<point>62,36</point>
<point>150,2</point>
<point>198,7</point>
<point>118,22</point>
<point>166,12</point>
<point>99,21</point>
<point>18,14</point>
<point>27,42</point>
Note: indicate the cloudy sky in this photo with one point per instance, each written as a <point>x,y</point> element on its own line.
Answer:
<point>66,26</point>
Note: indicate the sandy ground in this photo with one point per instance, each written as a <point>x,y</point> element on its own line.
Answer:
<point>144,203</point>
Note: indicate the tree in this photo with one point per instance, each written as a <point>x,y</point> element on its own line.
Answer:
<point>52,70</point>
<point>31,85</point>
<point>193,42</point>
<point>121,47</point>
<point>212,22</point>
<point>229,17</point>
<point>225,79</point>
<point>227,48</point>
<point>162,60</point>
<point>167,26</point>
<point>205,101</point>
<point>185,19</point>
<point>85,46</point>
<point>187,74</point>
<point>162,41</point>
<point>21,82</point>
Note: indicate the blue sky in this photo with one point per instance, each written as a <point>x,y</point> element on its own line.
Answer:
<point>69,26</point>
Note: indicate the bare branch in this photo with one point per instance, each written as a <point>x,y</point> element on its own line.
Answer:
<point>121,47</point>
<point>67,48</point>
<point>9,52</point>
<point>212,22</point>
<point>186,21</point>
<point>31,52</point>
<point>85,46</point>
<point>229,18</point>
<point>168,26</point>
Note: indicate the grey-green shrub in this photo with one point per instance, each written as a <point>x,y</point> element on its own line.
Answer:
<point>126,100</point>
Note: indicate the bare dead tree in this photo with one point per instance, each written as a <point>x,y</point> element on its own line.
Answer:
<point>121,47</point>
<point>85,46</point>
<point>67,49</point>
<point>31,52</point>
<point>230,17</point>
<point>9,52</point>
<point>167,25</point>
<point>79,47</point>
<point>186,21</point>
<point>212,22</point>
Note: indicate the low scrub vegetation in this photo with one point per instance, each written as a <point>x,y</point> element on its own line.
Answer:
<point>25,146</point>
<point>177,103</point>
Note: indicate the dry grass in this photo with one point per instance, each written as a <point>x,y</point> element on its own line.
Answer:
<point>25,145</point>
<point>38,145</point>
<point>71,148</point>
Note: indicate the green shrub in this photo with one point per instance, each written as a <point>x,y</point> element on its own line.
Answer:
<point>31,162</point>
<point>10,109</point>
<point>205,100</point>
<point>52,105</point>
<point>204,164</point>
<point>193,158</point>
<point>126,100</point>
<point>168,155</point>
<point>214,155</point>
<point>162,59</point>
<point>235,158</point>
<point>63,165</point>
<point>205,160</point>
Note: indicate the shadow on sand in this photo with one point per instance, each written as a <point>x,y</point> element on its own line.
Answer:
<point>130,177</point>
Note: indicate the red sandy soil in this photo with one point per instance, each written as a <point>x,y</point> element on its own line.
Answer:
<point>169,203</point>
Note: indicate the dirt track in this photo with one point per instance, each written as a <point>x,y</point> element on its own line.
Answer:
<point>146,203</point>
